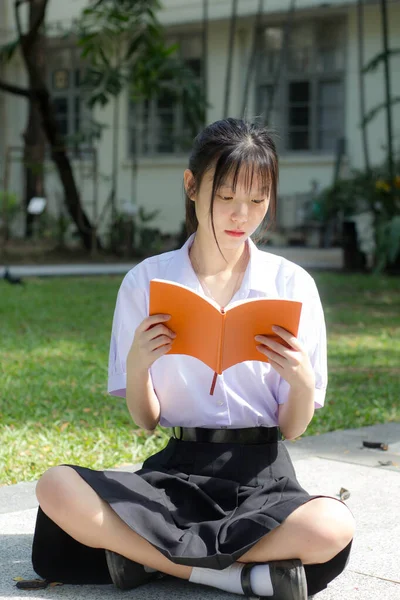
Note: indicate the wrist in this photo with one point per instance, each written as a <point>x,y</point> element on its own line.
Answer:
<point>305,387</point>
<point>135,368</point>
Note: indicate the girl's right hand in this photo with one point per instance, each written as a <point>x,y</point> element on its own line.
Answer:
<point>152,340</point>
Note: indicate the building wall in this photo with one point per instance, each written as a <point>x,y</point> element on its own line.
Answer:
<point>185,11</point>
<point>374,85</point>
<point>157,182</point>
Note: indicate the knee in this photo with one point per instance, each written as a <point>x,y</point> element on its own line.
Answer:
<point>341,524</point>
<point>333,526</point>
<point>52,488</point>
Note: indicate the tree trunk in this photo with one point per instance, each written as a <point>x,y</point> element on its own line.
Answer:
<point>58,150</point>
<point>63,165</point>
<point>388,95</point>
<point>231,49</point>
<point>34,149</point>
<point>361,82</point>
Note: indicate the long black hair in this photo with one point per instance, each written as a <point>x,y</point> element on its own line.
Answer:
<point>230,145</point>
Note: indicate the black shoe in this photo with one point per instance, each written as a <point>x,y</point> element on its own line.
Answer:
<point>127,574</point>
<point>288,580</point>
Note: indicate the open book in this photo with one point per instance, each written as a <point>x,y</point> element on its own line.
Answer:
<point>220,338</point>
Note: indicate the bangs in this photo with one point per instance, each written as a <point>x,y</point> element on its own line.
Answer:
<point>233,153</point>
<point>247,164</point>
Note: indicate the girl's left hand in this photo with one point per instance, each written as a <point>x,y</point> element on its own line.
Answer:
<point>293,364</point>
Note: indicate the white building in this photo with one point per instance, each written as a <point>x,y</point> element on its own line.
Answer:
<point>316,102</point>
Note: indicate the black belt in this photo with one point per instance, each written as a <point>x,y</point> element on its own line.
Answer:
<point>248,435</point>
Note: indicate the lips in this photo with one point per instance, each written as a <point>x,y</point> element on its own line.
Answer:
<point>234,233</point>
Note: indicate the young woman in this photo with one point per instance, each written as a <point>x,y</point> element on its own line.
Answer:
<point>220,505</point>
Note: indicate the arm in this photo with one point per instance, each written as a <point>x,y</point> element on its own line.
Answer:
<point>136,342</point>
<point>151,341</point>
<point>295,415</point>
<point>294,365</point>
<point>302,367</point>
<point>141,400</point>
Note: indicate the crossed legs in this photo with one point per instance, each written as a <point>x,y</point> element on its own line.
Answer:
<point>314,533</point>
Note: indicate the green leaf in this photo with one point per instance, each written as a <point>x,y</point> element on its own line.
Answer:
<point>134,45</point>
<point>378,58</point>
<point>374,111</point>
<point>394,238</point>
<point>7,51</point>
<point>123,44</point>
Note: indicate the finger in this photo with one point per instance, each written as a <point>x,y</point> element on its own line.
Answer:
<point>287,356</point>
<point>284,350</point>
<point>153,320</point>
<point>157,330</point>
<point>160,340</point>
<point>288,337</point>
<point>271,355</point>
<point>276,366</point>
<point>272,344</point>
<point>161,351</point>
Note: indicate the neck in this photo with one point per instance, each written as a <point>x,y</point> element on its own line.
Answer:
<point>209,260</point>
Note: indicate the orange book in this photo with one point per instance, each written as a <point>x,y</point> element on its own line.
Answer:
<point>220,338</point>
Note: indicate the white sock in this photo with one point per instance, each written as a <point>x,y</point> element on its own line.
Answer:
<point>149,569</point>
<point>260,580</point>
<point>229,579</point>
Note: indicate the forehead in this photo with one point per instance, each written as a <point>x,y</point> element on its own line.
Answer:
<point>248,179</point>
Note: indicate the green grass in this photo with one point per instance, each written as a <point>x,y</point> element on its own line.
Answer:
<point>53,370</point>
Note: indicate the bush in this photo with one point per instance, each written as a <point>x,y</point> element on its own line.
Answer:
<point>374,193</point>
<point>12,205</point>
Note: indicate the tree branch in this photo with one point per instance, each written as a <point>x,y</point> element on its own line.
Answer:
<point>14,89</point>
<point>17,4</point>
<point>30,36</point>
<point>27,39</point>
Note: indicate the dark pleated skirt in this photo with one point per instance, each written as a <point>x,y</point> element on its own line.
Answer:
<point>199,504</point>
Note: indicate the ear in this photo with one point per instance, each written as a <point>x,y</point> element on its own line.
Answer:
<point>190,184</point>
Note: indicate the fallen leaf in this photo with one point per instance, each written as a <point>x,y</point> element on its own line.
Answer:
<point>376,445</point>
<point>32,584</point>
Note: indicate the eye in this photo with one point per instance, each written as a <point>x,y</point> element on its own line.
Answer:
<point>226,197</point>
<point>258,201</point>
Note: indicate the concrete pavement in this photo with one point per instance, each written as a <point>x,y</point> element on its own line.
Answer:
<point>324,465</point>
<point>308,258</point>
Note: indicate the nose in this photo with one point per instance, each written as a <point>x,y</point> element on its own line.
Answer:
<point>240,212</point>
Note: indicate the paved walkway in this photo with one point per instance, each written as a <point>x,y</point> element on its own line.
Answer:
<point>324,464</point>
<point>309,258</point>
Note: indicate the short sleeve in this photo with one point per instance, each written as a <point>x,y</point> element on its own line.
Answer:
<point>312,333</point>
<point>130,310</point>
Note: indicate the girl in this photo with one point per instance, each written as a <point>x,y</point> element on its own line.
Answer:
<point>220,505</point>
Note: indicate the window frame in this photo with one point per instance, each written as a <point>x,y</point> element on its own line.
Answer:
<point>137,127</point>
<point>72,94</point>
<point>315,79</point>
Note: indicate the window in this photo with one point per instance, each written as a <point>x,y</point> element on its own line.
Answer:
<point>306,105</point>
<point>161,125</point>
<point>66,74</point>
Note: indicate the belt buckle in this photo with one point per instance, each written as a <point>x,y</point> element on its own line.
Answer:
<point>180,433</point>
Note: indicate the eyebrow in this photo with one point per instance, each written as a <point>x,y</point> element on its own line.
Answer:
<point>224,184</point>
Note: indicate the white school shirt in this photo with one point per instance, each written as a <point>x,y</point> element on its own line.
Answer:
<point>245,395</point>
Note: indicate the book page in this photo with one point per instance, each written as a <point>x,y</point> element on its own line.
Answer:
<point>256,317</point>
<point>196,321</point>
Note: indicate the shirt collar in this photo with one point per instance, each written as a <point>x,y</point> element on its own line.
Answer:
<point>180,268</point>
<point>257,272</point>
<point>256,276</point>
